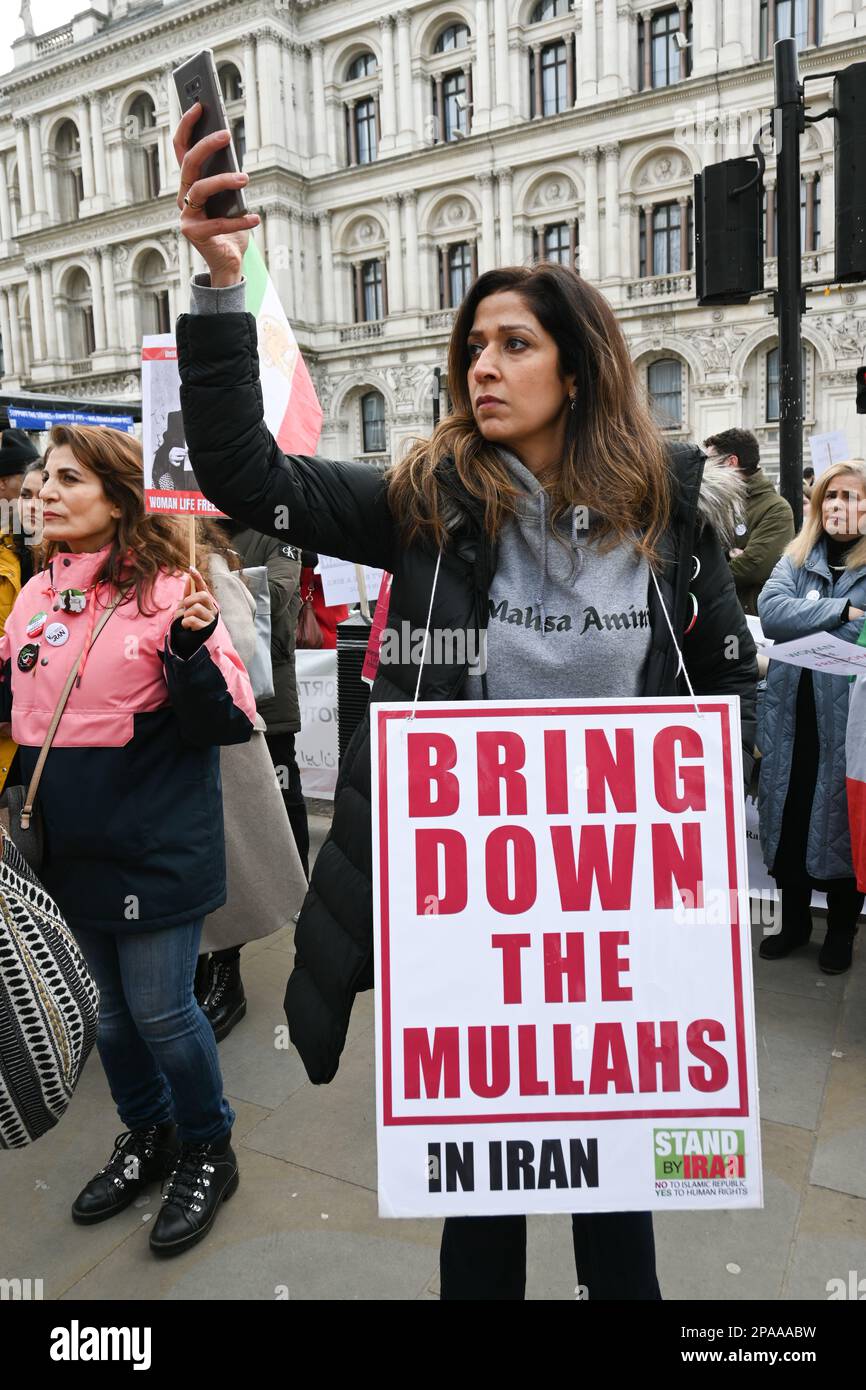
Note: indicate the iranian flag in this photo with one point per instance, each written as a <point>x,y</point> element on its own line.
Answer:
<point>292,411</point>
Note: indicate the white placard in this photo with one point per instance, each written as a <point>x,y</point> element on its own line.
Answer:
<point>760,639</point>
<point>340,582</point>
<point>821,651</point>
<point>564,1008</point>
<point>317,745</point>
<point>828,448</point>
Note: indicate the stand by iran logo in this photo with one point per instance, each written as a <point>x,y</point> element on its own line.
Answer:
<point>702,1155</point>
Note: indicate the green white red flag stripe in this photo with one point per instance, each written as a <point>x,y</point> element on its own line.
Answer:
<point>292,410</point>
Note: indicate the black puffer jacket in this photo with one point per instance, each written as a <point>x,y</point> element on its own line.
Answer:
<point>342,509</point>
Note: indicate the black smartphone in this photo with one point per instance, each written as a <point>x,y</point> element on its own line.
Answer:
<point>197,80</point>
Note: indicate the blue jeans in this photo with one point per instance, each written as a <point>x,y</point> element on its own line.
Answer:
<point>157,1047</point>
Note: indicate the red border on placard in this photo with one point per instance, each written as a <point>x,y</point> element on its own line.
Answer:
<point>201,506</point>
<point>485,711</point>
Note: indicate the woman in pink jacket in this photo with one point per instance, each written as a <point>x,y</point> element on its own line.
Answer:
<point>132,808</point>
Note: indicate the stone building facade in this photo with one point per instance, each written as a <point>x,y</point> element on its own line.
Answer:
<point>392,157</point>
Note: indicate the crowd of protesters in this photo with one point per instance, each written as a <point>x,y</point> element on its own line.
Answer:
<point>170,840</point>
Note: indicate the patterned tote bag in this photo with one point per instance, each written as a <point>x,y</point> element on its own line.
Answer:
<point>48,1005</point>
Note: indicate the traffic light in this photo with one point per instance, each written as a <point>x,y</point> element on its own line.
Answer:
<point>849,100</point>
<point>729,253</point>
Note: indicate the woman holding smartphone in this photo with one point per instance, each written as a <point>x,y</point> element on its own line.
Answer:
<point>548,427</point>
<point>131,807</point>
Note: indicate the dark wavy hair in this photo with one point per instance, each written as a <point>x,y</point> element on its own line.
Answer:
<point>614,459</point>
<point>144,544</point>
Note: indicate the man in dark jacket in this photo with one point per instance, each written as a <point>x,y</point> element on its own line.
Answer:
<point>767,523</point>
<point>224,1000</point>
<point>342,509</point>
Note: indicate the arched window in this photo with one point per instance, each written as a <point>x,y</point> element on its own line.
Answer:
<point>142,148</point>
<point>772,382</point>
<point>666,246</point>
<point>362,131</point>
<point>549,9</point>
<point>556,242</point>
<point>790,19</point>
<point>457,270</point>
<point>373,423</point>
<point>368,291</point>
<point>661,60</point>
<point>665,389</point>
<point>152,294</point>
<point>67,162</point>
<point>549,88</point>
<point>231,83</point>
<point>451,103</point>
<point>455,36</point>
<point>364,65</point>
<point>79,311</point>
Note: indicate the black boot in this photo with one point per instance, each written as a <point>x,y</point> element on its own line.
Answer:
<point>204,1175</point>
<point>796,913</point>
<point>226,1002</point>
<point>203,978</point>
<point>141,1156</point>
<point>835,955</point>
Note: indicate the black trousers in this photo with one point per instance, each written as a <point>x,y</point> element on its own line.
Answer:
<point>282,750</point>
<point>484,1257</point>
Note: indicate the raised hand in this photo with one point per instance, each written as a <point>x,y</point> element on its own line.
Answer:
<point>221,241</point>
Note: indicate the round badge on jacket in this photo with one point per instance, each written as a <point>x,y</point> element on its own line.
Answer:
<point>36,624</point>
<point>814,593</point>
<point>740,528</point>
<point>57,634</point>
<point>27,656</point>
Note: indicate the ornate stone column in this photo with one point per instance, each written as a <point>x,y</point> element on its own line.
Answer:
<point>5,205</point>
<point>100,169</point>
<point>481,110</point>
<point>112,334</point>
<point>320,113</point>
<point>270,115</point>
<point>297,270</point>
<point>302,102</point>
<point>537,85</point>
<point>290,128</point>
<point>683,204</point>
<point>40,206</point>
<point>86,151</point>
<point>329,312</point>
<point>48,311</point>
<point>504,97</point>
<point>25,187</point>
<point>487,256</point>
<point>609,86</point>
<point>589,52</point>
<point>98,302</point>
<point>353,132</point>
<point>412,285</point>
<point>388,101</point>
<point>611,210</point>
<point>251,98</point>
<point>6,335</point>
<point>645,79</point>
<point>506,217</point>
<point>405,124</point>
<point>589,239</point>
<point>34,289</point>
<point>627,46</point>
<point>395,255</point>
<point>17,354</point>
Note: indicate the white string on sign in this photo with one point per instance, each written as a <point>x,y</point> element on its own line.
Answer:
<point>426,632</point>
<point>682,665</point>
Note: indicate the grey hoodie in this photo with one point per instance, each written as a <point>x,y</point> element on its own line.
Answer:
<point>565,621</point>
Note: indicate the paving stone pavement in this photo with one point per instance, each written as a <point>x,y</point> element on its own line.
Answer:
<point>304,1223</point>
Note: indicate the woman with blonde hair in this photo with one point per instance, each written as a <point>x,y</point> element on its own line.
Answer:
<point>819,585</point>
<point>131,807</point>
<point>547,491</point>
